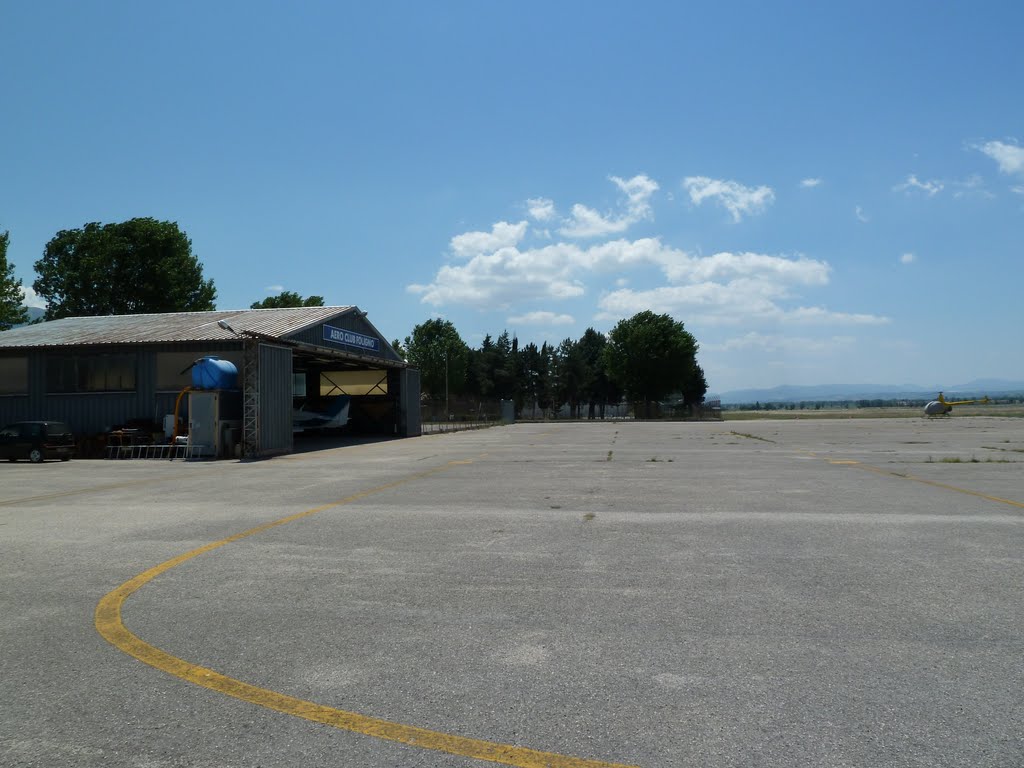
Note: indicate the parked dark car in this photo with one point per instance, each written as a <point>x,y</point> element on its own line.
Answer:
<point>36,441</point>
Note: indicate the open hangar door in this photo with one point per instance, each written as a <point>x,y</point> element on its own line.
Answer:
<point>334,396</point>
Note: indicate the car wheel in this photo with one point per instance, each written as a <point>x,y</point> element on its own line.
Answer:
<point>65,458</point>
<point>35,456</point>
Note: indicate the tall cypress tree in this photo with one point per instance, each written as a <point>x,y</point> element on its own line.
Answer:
<point>12,309</point>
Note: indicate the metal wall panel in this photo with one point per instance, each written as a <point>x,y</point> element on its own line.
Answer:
<point>94,413</point>
<point>275,418</point>
<point>410,424</point>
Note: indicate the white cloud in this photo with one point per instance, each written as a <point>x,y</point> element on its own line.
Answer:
<point>734,303</point>
<point>32,299</point>
<point>822,316</point>
<point>1009,157</point>
<point>542,318</point>
<point>512,266</point>
<point>541,209</point>
<point>560,270</point>
<point>972,186</point>
<point>907,258</point>
<point>773,343</point>
<point>553,271</point>
<point>810,183</point>
<point>733,196</point>
<point>1017,190</point>
<point>861,216</point>
<point>501,235</point>
<point>274,288</point>
<point>731,266</point>
<point>710,303</point>
<point>930,188</point>
<point>586,222</point>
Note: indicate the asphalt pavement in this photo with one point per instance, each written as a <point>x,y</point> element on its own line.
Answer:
<point>763,593</point>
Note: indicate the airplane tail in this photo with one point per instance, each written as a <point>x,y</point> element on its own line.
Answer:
<point>339,404</point>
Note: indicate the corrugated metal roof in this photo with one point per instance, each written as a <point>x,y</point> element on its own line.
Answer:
<point>171,327</point>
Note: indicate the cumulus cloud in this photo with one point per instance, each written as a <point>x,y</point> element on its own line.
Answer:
<point>733,196</point>
<point>810,183</point>
<point>733,303</point>
<point>930,188</point>
<point>774,343</point>
<point>861,216</point>
<point>972,186</point>
<point>1009,157</point>
<point>732,266</point>
<point>822,316</point>
<point>907,258</point>
<point>586,222</point>
<point>511,266</point>
<point>542,318</point>
<point>502,235</point>
<point>31,298</point>
<point>274,288</point>
<point>541,209</point>
<point>561,270</point>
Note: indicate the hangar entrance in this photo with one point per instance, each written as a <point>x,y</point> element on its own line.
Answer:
<point>332,395</point>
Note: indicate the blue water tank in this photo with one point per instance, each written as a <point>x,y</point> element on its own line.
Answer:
<point>214,373</point>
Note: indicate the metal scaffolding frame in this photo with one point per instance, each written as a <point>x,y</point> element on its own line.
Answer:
<point>251,399</point>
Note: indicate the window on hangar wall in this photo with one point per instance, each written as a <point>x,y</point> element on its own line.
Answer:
<point>91,373</point>
<point>13,375</point>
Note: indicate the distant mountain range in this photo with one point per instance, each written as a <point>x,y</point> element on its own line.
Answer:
<point>795,394</point>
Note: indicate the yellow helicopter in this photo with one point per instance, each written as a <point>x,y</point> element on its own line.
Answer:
<point>942,406</point>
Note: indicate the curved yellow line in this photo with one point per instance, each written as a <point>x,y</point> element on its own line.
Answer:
<point>111,627</point>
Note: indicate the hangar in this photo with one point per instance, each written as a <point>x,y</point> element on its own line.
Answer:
<point>100,373</point>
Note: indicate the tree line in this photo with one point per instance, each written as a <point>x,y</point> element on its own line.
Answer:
<point>643,360</point>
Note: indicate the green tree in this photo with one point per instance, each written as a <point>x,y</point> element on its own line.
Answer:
<point>571,376</point>
<point>650,356</point>
<point>695,386</point>
<point>436,348</point>
<point>598,389</point>
<point>287,299</point>
<point>12,309</point>
<point>133,267</point>
<point>501,368</point>
<point>534,366</point>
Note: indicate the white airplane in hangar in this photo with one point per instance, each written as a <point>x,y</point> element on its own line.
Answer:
<point>335,416</point>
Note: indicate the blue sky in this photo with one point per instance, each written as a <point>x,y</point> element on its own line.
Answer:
<point>821,192</point>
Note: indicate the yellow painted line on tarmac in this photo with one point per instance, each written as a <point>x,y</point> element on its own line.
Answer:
<point>922,480</point>
<point>110,625</point>
<point>91,489</point>
<point>944,486</point>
